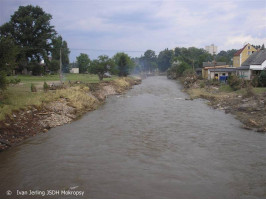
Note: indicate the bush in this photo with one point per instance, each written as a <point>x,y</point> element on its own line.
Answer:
<point>249,92</point>
<point>3,80</point>
<point>234,82</point>
<point>14,81</point>
<point>202,85</point>
<point>255,81</point>
<point>45,86</point>
<point>262,79</point>
<point>33,88</point>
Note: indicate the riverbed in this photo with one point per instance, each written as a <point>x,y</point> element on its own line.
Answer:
<point>148,143</point>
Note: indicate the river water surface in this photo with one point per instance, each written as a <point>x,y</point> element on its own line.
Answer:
<point>148,143</point>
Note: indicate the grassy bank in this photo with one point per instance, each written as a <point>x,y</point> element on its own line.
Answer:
<point>19,96</point>
<point>29,113</point>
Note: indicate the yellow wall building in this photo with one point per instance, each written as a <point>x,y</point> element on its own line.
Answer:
<point>242,54</point>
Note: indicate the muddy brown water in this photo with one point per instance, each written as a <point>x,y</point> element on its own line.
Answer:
<point>148,143</point>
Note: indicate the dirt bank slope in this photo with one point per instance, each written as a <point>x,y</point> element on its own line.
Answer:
<point>72,103</point>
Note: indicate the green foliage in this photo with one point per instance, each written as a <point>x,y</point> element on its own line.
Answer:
<point>8,53</point>
<point>83,62</point>
<point>164,59</point>
<point>148,61</point>
<point>226,56</point>
<point>101,66</point>
<point>14,81</point>
<point>54,66</point>
<point>178,68</point>
<point>59,43</point>
<point>33,88</point>
<point>124,64</point>
<point>36,68</point>
<point>235,82</point>
<point>262,79</point>
<point>202,84</point>
<point>30,28</point>
<point>45,86</point>
<point>3,80</point>
<point>255,81</point>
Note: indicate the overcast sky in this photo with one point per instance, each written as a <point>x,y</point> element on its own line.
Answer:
<point>100,27</point>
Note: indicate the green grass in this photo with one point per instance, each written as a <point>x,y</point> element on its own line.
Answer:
<point>225,88</point>
<point>20,96</point>
<point>86,78</point>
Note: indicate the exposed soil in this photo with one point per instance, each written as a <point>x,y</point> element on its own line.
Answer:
<point>251,111</point>
<point>34,120</point>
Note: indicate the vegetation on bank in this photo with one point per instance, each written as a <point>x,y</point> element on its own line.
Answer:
<point>19,96</point>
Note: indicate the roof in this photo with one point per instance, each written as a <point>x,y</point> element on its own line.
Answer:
<point>223,70</point>
<point>221,66</point>
<point>257,58</point>
<point>243,68</point>
<point>240,51</point>
<point>212,64</point>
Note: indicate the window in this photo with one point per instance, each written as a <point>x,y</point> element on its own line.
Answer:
<point>249,52</point>
<point>248,47</point>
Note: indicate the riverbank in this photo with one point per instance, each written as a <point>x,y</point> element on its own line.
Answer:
<point>247,105</point>
<point>60,107</point>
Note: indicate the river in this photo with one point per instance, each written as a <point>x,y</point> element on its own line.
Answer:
<point>147,143</point>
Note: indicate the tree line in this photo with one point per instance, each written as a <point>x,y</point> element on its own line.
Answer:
<point>29,38</point>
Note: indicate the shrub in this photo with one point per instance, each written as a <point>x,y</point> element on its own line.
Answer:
<point>33,88</point>
<point>234,82</point>
<point>249,92</point>
<point>255,81</point>
<point>262,78</point>
<point>202,85</point>
<point>45,86</point>
<point>3,80</point>
<point>14,81</point>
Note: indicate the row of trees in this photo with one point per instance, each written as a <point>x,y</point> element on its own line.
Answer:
<point>191,56</point>
<point>120,64</point>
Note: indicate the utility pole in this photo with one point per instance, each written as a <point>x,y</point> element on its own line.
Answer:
<point>61,75</point>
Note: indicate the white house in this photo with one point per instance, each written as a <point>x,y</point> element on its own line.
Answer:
<point>255,63</point>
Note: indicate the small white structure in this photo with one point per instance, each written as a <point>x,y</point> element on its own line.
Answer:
<point>74,71</point>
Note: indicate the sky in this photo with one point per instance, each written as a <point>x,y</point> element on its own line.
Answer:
<point>98,27</point>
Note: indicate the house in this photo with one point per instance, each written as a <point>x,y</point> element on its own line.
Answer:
<point>221,74</point>
<point>210,65</point>
<point>253,65</point>
<point>74,71</point>
<point>242,54</point>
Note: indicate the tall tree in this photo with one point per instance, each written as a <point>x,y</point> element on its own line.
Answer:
<point>59,43</point>
<point>102,65</point>
<point>124,63</point>
<point>149,59</point>
<point>83,62</point>
<point>31,30</point>
<point>164,59</point>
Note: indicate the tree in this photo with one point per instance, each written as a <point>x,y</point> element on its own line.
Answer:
<point>8,53</point>
<point>148,60</point>
<point>124,63</point>
<point>59,43</point>
<point>30,29</point>
<point>83,62</point>
<point>54,66</point>
<point>262,47</point>
<point>101,66</point>
<point>164,59</point>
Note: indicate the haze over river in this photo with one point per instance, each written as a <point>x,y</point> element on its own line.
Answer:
<point>147,143</point>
